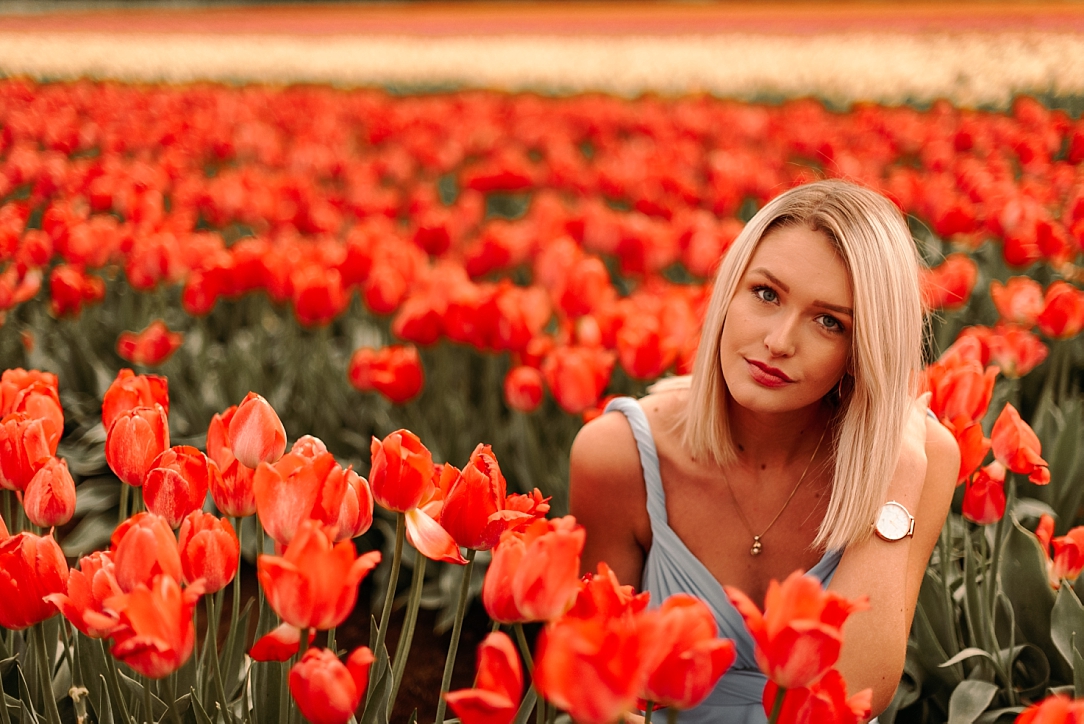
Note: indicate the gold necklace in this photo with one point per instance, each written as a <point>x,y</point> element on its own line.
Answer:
<point>757,545</point>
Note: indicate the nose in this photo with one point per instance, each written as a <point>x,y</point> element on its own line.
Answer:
<point>780,338</point>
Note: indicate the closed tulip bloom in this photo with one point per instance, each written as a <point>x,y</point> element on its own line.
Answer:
<point>31,568</point>
<point>1018,301</point>
<point>1063,311</point>
<point>295,489</point>
<point>1057,709</point>
<point>592,668</point>
<point>577,376</point>
<point>949,285</point>
<point>49,498</point>
<point>233,491</point>
<point>39,401</point>
<point>15,380</point>
<point>1067,561</point>
<point>395,372</point>
<point>824,702</point>
<point>279,644</point>
<point>498,684</point>
<point>356,511</point>
<point>137,437</point>
<point>326,690</point>
<point>129,391</point>
<point>691,658</point>
<point>474,508</point>
<point>401,469</point>
<point>177,483</point>
<point>256,432</point>
<point>798,636</point>
<point>984,497</point>
<point>1016,351</point>
<point>24,448</point>
<point>1017,447</point>
<point>209,550</point>
<point>315,584</point>
<point>89,586</point>
<point>960,392</point>
<point>151,346</point>
<point>144,548</point>
<point>523,388</point>
<point>155,634</point>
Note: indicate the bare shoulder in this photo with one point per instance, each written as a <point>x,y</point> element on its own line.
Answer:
<point>943,458</point>
<point>607,495</point>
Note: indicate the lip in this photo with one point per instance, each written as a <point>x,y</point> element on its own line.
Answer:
<point>767,375</point>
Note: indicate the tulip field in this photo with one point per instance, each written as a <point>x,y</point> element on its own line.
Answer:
<point>343,339</point>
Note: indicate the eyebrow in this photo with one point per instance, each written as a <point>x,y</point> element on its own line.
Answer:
<point>816,302</point>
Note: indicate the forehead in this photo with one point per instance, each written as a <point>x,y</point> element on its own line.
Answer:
<point>806,261</point>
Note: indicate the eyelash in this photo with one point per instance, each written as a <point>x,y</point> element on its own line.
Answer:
<point>760,288</point>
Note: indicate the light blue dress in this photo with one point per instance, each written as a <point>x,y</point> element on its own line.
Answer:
<point>672,568</point>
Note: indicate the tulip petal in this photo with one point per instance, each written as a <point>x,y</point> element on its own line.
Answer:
<point>430,539</point>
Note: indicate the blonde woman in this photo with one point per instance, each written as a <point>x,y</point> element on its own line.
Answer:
<point>799,441</point>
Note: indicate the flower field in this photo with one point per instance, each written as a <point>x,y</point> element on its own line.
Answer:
<point>262,322</point>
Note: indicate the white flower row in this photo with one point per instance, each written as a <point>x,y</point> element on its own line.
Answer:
<point>968,68</point>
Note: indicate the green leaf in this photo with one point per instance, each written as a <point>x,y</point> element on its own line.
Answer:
<point>234,660</point>
<point>413,717</point>
<point>91,534</point>
<point>998,716</point>
<point>376,704</point>
<point>969,700</point>
<point>1030,669</point>
<point>967,654</point>
<point>1066,622</point>
<point>201,713</point>
<point>527,706</point>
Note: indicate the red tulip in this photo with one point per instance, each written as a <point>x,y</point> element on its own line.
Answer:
<point>534,573</point>
<point>798,636</point>
<point>395,372</point>
<point>1019,301</point>
<point>70,287</point>
<point>233,491</point>
<point>209,550</point>
<point>356,511</point>
<point>602,595</point>
<point>49,498</point>
<point>279,644</point>
<point>326,691</point>
<point>825,702</point>
<point>1017,447</point>
<point>315,584</point>
<point>973,448</point>
<point>1015,350</point>
<point>984,498</point>
<point>523,388</point>
<point>297,488</point>
<point>143,548</point>
<point>474,507</point>
<point>4,534</point>
<point>150,347</point>
<point>14,381</point>
<point>1057,709</point>
<point>498,684</point>
<point>136,438</point>
<point>155,634</point>
<point>577,376</point>
<point>89,586</point>
<point>31,568</point>
<point>1068,559</point>
<point>1063,311</point>
<point>401,469</point>
<point>317,295</point>
<point>644,350</point>
<point>691,658</point>
<point>256,432</point>
<point>949,285</point>
<point>129,391</point>
<point>592,668</point>
<point>39,401</point>
<point>177,483</point>
<point>24,449</point>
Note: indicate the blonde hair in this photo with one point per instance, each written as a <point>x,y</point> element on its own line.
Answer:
<point>876,246</point>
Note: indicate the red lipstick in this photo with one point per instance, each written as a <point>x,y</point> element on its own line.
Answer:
<point>767,375</point>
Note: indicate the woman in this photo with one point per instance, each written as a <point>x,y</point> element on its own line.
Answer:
<point>799,423</point>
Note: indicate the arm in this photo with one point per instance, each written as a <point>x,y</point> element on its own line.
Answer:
<point>607,496</point>
<point>875,641</point>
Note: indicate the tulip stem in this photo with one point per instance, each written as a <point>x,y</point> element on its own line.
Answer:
<point>303,644</point>
<point>284,691</point>
<point>148,704</point>
<point>51,712</point>
<point>235,612</point>
<point>648,711</point>
<point>524,647</point>
<point>113,683</point>
<point>402,648</point>
<point>393,581</point>
<point>211,641</point>
<point>331,639</point>
<point>777,707</point>
<point>122,509</point>
<point>171,697</point>
<point>672,713</point>
<point>457,629</point>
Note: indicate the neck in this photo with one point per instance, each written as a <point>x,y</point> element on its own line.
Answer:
<point>776,439</point>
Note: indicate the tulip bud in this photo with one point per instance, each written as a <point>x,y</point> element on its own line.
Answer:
<point>138,436</point>
<point>177,483</point>
<point>49,499</point>
<point>209,550</point>
<point>326,690</point>
<point>523,389</point>
<point>144,547</point>
<point>31,567</point>
<point>24,448</point>
<point>356,512</point>
<point>130,390</point>
<point>256,432</point>
<point>401,469</point>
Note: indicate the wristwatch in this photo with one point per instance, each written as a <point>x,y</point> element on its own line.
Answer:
<point>894,522</point>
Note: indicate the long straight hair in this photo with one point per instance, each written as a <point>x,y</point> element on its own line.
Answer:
<point>872,238</point>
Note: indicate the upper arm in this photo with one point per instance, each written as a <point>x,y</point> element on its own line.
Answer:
<point>607,496</point>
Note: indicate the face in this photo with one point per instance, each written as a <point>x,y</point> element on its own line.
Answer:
<point>786,341</point>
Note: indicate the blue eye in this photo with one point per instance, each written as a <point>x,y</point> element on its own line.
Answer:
<point>831,323</point>
<point>765,294</point>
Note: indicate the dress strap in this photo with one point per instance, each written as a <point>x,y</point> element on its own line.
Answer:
<point>649,457</point>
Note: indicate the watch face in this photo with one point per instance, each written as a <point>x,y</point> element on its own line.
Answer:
<point>894,522</point>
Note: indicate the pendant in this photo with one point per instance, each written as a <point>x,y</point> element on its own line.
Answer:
<point>755,550</point>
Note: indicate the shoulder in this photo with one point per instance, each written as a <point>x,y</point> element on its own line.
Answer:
<point>942,455</point>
